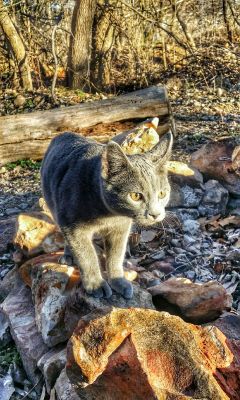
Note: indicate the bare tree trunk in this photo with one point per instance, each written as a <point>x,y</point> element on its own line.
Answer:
<point>17,46</point>
<point>81,43</point>
<point>183,25</point>
<point>226,21</point>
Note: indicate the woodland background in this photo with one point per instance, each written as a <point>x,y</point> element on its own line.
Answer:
<point>113,46</point>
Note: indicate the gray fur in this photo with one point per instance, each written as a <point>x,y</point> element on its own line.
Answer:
<point>86,186</point>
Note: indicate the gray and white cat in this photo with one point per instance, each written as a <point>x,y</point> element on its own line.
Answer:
<point>92,188</point>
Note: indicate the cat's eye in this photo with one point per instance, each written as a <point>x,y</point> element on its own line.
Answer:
<point>136,196</point>
<point>162,194</point>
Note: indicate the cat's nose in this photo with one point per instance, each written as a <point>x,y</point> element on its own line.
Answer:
<point>153,215</point>
<point>156,215</point>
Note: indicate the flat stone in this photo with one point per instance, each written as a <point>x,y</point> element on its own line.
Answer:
<point>220,160</point>
<point>197,302</point>
<point>64,388</point>
<point>19,310</point>
<point>51,364</point>
<point>142,354</point>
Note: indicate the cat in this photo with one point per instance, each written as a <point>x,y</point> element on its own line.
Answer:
<point>93,188</point>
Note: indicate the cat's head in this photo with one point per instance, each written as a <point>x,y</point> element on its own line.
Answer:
<point>137,186</point>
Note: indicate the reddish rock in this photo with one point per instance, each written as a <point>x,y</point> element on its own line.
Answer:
<point>113,349</point>
<point>229,378</point>
<point>37,233</point>
<point>197,302</point>
<point>162,266</point>
<point>220,161</point>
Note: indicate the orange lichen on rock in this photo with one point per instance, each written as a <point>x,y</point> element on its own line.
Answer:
<point>36,233</point>
<point>175,360</point>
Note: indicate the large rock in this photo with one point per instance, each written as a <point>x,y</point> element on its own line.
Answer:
<point>229,325</point>
<point>60,301</point>
<point>37,233</point>
<point>214,200</point>
<point>197,302</point>
<point>186,186</point>
<point>64,388</point>
<point>19,311</point>
<point>51,364</point>
<point>220,161</point>
<point>119,354</point>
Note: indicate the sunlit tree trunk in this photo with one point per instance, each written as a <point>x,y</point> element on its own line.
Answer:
<point>81,44</point>
<point>17,47</point>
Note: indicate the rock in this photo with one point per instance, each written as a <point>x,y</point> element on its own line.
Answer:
<point>6,387</point>
<point>162,266</point>
<point>185,186</point>
<point>64,389</point>
<point>185,213</point>
<point>113,349</point>
<point>60,300</point>
<point>182,174</point>
<point>8,283</point>
<point>12,211</point>
<point>19,311</point>
<point>36,233</point>
<point>185,196</point>
<point>145,277</point>
<point>220,161</point>
<point>51,364</point>
<point>229,378</point>
<point>19,100</point>
<point>197,302</point>
<point>191,226</point>
<point>7,230</point>
<point>234,205</point>
<point>214,200</point>
<point>5,336</point>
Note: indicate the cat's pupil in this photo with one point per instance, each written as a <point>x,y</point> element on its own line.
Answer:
<point>162,194</point>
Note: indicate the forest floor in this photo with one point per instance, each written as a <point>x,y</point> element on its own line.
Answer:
<point>201,115</point>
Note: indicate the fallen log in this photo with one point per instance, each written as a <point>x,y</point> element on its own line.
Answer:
<point>28,135</point>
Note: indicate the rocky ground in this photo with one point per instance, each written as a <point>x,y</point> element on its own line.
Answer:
<point>201,249</point>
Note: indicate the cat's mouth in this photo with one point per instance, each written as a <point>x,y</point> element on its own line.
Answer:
<point>150,220</point>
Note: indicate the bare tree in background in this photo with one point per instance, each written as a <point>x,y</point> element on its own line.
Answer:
<point>81,44</point>
<point>17,47</point>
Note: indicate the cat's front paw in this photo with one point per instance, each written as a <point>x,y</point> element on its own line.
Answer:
<point>101,289</point>
<point>66,259</point>
<point>122,286</point>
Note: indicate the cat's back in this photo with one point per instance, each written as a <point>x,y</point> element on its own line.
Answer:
<point>69,145</point>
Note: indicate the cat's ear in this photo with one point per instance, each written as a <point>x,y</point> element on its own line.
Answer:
<point>113,160</point>
<point>161,152</point>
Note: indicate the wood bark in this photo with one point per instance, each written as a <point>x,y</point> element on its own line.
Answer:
<point>17,46</point>
<point>28,135</point>
<point>81,43</point>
